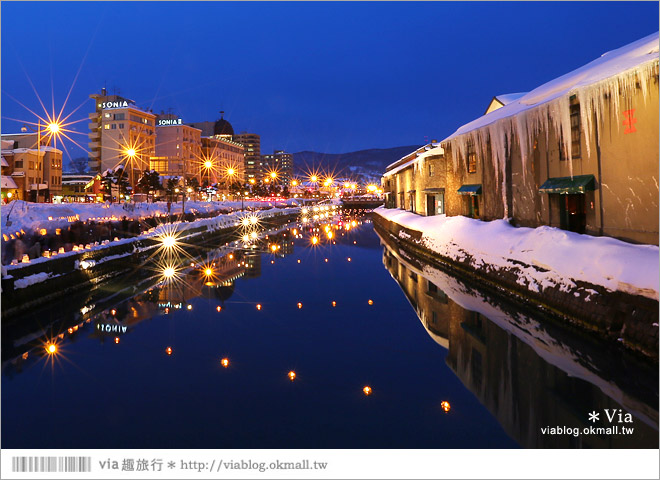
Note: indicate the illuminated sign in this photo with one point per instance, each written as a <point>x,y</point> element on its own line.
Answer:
<point>111,327</point>
<point>118,104</point>
<point>163,122</point>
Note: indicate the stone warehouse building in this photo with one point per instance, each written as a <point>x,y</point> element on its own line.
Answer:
<point>578,153</point>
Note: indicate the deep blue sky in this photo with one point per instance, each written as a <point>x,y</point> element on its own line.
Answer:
<point>324,76</point>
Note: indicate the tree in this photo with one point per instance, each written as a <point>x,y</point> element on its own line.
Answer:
<point>193,183</point>
<point>172,183</point>
<point>149,182</point>
<point>114,179</point>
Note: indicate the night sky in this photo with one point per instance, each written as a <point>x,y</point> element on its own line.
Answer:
<point>330,77</point>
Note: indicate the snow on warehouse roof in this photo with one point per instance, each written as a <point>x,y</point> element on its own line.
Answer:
<point>606,80</point>
<point>417,158</point>
<point>428,146</point>
<point>509,97</point>
<point>608,65</point>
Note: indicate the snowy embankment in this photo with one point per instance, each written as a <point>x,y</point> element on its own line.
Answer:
<point>179,228</point>
<point>544,257</point>
<point>28,216</point>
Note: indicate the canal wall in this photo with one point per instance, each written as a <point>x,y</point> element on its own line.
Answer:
<point>29,285</point>
<point>616,316</point>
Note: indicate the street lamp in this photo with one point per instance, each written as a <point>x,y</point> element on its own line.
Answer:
<point>130,153</point>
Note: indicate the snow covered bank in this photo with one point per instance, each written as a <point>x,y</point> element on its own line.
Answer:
<point>549,256</point>
<point>556,350</point>
<point>29,216</point>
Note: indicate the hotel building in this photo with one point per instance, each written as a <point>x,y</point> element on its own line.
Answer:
<point>253,162</point>
<point>117,127</point>
<point>280,162</point>
<point>178,148</point>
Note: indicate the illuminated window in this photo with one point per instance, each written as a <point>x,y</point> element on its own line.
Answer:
<point>471,158</point>
<point>107,126</point>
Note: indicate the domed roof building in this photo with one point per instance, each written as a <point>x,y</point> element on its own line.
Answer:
<point>223,127</point>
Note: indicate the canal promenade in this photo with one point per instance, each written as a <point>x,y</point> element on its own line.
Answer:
<point>601,285</point>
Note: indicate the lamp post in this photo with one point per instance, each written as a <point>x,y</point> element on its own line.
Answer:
<point>130,155</point>
<point>231,173</point>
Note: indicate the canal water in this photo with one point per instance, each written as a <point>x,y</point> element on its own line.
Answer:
<point>139,362</point>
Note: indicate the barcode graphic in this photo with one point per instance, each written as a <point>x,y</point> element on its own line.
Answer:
<point>51,464</point>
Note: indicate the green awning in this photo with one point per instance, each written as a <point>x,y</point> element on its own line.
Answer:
<point>575,184</point>
<point>474,189</point>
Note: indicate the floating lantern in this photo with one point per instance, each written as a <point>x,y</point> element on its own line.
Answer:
<point>299,305</point>
<point>298,261</point>
<point>326,260</point>
<point>334,304</point>
<point>224,362</point>
<point>218,308</point>
<point>445,406</point>
<point>367,390</point>
<point>370,302</point>
<point>349,259</point>
<point>189,307</point>
<point>258,306</point>
<point>113,312</point>
<point>292,375</point>
<point>116,339</point>
<point>168,350</point>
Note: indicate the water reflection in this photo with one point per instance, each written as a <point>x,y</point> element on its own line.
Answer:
<point>530,375</point>
<point>112,313</point>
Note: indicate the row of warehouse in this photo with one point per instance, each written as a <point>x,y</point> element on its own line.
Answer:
<point>578,153</point>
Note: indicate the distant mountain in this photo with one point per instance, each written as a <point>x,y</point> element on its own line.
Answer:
<point>363,164</point>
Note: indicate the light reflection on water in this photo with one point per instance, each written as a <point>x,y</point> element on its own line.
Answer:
<point>530,374</point>
<point>287,342</point>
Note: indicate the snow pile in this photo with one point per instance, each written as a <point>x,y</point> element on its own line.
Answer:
<point>33,279</point>
<point>615,74</point>
<point>550,256</point>
<point>35,216</point>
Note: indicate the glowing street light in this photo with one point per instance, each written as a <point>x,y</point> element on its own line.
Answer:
<point>51,349</point>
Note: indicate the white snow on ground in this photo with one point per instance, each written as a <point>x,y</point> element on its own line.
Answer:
<point>32,279</point>
<point>562,257</point>
<point>175,228</point>
<point>35,216</point>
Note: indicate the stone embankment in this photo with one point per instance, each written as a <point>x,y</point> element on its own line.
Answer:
<point>617,316</point>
